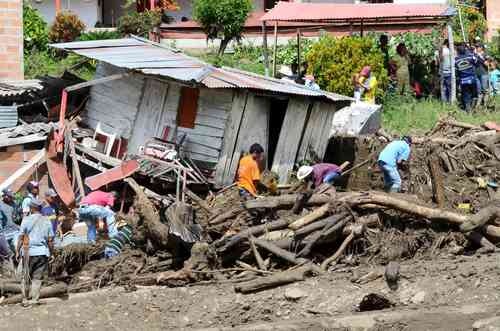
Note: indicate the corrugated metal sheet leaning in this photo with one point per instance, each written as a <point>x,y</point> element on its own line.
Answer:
<point>158,60</point>
<point>25,133</point>
<point>8,116</point>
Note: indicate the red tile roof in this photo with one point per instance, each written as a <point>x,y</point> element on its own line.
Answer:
<point>318,12</point>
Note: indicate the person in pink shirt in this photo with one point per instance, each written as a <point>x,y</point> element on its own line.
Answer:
<point>97,205</point>
<point>100,198</point>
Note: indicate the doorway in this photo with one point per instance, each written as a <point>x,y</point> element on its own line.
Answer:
<point>277,112</point>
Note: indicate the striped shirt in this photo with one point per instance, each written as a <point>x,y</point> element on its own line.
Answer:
<point>122,238</point>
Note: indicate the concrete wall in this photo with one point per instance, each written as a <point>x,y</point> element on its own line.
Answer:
<point>11,40</point>
<point>493,17</point>
<point>89,11</point>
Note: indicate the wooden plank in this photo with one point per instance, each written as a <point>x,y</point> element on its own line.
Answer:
<point>149,114</point>
<point>76,167</point>
<point>35,161</point>
<point>231,132</point>
<point>108,160</point>
<point>202,131</point>
<point>253,129</point>
<point>210,121</point>
<point>290,137</point>
<point>317,131</point>
<point>4,142</point>
<point>96,81</point>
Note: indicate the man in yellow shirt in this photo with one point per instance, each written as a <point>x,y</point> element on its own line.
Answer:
<point>249,171</point>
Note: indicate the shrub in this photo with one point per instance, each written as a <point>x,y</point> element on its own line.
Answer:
<point>35,30</point>
<point>99,35</point>
<point>139,23</point>
<point>288,54</point>
<point>334,61</point>
<point>67,27</point>
<point>473,20</point>
<point>222,19</point>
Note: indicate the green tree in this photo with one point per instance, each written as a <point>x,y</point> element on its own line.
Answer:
<point>66,27</point>
<point>473,21</point>
<point>222,19</point>
<point>139,23</point>
<point>334,61</point>
<point>35,30</point>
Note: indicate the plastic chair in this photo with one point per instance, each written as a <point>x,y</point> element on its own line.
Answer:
<point>110,138</point>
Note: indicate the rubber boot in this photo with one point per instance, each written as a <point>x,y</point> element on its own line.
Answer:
<point>24,292</point>
<point>36,285</point>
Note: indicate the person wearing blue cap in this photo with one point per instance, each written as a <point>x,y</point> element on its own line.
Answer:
<point>33,190</point>
<point>393,157</point>
<point>34,245</point>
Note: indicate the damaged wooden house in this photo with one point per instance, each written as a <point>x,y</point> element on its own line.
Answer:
<point>147,96</point>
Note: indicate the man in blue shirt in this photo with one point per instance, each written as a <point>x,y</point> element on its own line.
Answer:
<point>33,191</point>
<point>36,239</point>
<point>51,208</point>
<point>8,228</point>
<point>395,155</point>
<point>465,64</point>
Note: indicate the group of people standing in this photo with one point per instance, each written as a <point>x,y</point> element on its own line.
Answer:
<point>477,74</point>
<point>30,231</point>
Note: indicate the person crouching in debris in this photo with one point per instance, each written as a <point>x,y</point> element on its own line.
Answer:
<point>97,205</point>
<point>33,191</point>
<point>35,246</point>
<point>115,245</point>
<point>249,172</point>
<point>8,228</point>
<point>394,156</point>
<point>321,173</point>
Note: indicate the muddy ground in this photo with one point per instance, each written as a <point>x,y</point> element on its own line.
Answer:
<point>444,293</point>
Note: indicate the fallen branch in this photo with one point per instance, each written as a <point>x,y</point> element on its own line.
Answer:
<point>311,217</point>
<point>57,290</point>
<point>279,252</point>
<point>282,278</point>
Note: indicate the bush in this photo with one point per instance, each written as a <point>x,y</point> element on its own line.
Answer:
<point>40,63</point>
<point>99,35</point>
<point>334,61</point>
<point>473,20</point>
<point>35,30</point>
<point>288,54</point>
<point>222,19</point>
<point>67,27</point>
<point>139,23</point>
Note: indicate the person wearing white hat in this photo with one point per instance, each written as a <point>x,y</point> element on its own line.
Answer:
<point>320,173</point>
<point>51,208</point>
<point>33,191</point>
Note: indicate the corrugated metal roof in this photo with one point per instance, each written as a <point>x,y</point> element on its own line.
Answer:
<point>8,116</point>
<point>11,88</point>
<point>154,59</point>
<point>301,12</point>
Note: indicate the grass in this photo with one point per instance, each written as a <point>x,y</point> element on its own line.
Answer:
<point>409,116</point>
<point>41,63</point>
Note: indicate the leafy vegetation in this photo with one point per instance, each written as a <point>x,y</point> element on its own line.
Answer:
<point>99,35</point>
<point>247,58</point>
<point>334,61</point>
<point>67,27</point>
<point>35,31</point>
<point>41,63</point>
<point>406,115</point>
<point>222,19</point>
<point>139,23</point>
<point>288,54</point>
<point>473,21</point>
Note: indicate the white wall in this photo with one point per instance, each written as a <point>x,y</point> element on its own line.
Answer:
<point>89,11</point>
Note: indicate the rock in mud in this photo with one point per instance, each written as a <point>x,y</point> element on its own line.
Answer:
<point>294,294</point>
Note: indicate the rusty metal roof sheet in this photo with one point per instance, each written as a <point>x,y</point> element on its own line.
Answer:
<point>10,88</point>
<point>153,59</point>
<point>324,12</point>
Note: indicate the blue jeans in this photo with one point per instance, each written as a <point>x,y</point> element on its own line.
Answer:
<point>446,86</point>
<point>110,253</point>
<point>392,179</point>
<point>90,215</point>
<point>331,177</point>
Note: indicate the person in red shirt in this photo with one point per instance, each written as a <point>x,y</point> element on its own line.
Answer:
<point>97,205</point>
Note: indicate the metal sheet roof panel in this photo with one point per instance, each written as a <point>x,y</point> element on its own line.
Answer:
<point>9,88</point>
<point>154,59</point>
<point>301,12</point>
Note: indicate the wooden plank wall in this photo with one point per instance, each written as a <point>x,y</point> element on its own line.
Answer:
<point>115,103</point>
<point>231,133</point>
<point>254,128</point>
<point>290,137</point>
<point>317,132</point>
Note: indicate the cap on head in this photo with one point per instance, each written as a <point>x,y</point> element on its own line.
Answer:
<point>407,139</point>
<point>50,193</point>
<point>303,172</point>
<point>7,193</point>
<point>35,203</point>
<point>31,185</point>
